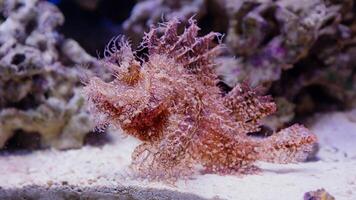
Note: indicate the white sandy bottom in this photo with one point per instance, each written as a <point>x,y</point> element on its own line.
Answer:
<point>106,167</point>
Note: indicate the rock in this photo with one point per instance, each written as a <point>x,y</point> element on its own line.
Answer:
<point>40,76</point>
<point>319,194</point>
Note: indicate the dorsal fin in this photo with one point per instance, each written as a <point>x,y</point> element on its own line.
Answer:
<point>187,48</point>
<point>247,105</point>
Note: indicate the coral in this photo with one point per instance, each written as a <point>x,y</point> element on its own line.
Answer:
<point>171,102</point>
<point>39,85</point>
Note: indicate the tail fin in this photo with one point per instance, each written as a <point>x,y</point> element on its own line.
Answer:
<point>289,145</point>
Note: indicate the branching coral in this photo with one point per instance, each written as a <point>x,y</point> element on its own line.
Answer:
<point>171,102</point>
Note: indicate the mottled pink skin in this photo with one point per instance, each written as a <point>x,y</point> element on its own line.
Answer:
<point>171,102</point>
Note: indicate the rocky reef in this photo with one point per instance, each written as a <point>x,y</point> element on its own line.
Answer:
<point>293,47</point>
<point>40,77</point>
